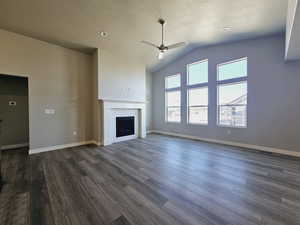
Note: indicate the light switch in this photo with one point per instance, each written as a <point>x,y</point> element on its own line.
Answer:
<point>49,111</point>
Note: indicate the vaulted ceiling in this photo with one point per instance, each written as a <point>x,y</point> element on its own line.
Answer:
<point>75,23</point>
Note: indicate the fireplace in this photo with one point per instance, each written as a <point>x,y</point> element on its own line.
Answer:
<point>124,126</point>
<point>122,121</point>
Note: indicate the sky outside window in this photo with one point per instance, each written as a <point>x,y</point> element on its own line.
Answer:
<point>231,92</point>
<point>173,81</point>
<point>198,73</point>
<point>232,70</point>
<point>198,96</point>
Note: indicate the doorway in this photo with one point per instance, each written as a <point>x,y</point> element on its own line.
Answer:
<point>14,112</point>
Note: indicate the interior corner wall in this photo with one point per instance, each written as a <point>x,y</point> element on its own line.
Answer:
<point>59,79</point>
<point>290,20</point>
<point>96,103</point>
<point>273,95</point>
<point>148,100</point>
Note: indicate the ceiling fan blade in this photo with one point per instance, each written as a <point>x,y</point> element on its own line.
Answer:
<point>149,43</point>
<point>177,45</point>
<point>160,55</point>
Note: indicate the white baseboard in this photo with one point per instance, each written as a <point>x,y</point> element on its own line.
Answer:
<point>56,147</point>
<point>7,147</point>
<point>96,143</point>
<point>237,144</point>
<point>150,131</point>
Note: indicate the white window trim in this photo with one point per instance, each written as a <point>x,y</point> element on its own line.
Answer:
<point>229,82</point>
<point>166,102</point>
<point>188,106</point>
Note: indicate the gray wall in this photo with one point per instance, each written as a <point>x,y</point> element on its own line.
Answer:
<point>120,77</point>
<point>59,79</point>
<point>15,125</point>
<point>273,94</point>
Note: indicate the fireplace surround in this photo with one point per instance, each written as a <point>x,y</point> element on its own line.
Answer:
<point>112,109</point>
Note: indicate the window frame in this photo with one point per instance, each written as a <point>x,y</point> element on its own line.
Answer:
<point>197,86</point>
<point>231,81</point>
<point>167,90</point>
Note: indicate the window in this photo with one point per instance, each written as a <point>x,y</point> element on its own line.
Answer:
<point>197,84</point>
<point>198,105</point>
<point>173,81</point>
<point>197,72</point>
<point>232,93</point>
<point>173,98</point>
<point>232,69</point>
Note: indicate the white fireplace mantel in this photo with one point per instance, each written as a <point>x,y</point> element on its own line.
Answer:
<point>108,107</point>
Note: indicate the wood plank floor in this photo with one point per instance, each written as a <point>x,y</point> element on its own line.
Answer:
<point>159,180</point>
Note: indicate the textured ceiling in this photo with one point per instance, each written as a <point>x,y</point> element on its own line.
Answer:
<point>74,23</point>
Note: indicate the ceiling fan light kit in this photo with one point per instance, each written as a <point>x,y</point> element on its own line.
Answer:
<point>162,47</point>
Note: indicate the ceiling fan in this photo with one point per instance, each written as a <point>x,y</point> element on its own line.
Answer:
<point>163,48</point>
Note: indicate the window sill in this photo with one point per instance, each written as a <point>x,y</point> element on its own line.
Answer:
<point>198,124</point>
<point>175,122</point>
<point>228,126</point>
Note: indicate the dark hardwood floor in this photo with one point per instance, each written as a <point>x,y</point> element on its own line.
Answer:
<point>159,180</point>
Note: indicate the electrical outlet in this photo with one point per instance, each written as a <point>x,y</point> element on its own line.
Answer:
<point>74,133</point>
<point>12,103</point>
<point>228,132</point>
